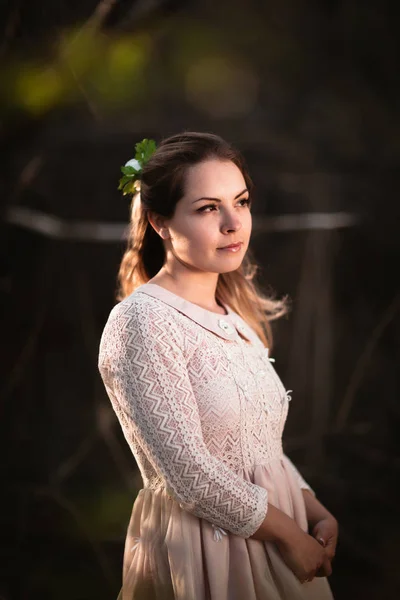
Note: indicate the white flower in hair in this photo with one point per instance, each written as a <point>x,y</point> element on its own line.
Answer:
<point>134,163</point>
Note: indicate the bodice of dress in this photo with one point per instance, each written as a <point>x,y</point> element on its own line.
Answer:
<point>198,401</point>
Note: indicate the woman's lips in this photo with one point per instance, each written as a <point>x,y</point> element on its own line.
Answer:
<point>233,248</point>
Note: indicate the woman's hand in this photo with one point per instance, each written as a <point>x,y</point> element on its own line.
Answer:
<point>325,532</point>
<point>323,527</point>
<point>305,556</point>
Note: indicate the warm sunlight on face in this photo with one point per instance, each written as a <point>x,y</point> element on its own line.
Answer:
<point>213,213</point>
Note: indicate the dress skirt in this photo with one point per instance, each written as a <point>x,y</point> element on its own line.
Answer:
<point>171,554</point>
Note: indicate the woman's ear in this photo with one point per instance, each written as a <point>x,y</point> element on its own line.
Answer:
<point>158,224</point>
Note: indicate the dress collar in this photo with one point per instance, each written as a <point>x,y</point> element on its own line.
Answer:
<point>226,326</point>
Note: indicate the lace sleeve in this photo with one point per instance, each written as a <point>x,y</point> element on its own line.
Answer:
<point>143,366</point>
<point>300,480</point>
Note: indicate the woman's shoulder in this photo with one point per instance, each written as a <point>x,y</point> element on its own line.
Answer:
<point>141,311</point>
<point>136,318</point>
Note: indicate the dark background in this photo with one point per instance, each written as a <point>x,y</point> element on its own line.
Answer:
<point>309,91</point>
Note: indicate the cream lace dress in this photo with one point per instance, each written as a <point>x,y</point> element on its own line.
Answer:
<point>203,411</point>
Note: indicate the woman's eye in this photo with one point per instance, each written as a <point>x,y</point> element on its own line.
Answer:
<point>246,202</point>
<point>203,208</point>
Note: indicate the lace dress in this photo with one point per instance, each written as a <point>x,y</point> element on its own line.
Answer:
<point>203,411</point>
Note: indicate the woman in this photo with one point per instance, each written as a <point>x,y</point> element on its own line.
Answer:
<point>223,514</point>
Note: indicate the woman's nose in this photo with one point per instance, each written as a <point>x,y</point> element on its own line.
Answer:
<point>232,223</point>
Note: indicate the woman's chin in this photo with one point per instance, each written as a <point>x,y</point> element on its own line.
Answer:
<point>229,266</point>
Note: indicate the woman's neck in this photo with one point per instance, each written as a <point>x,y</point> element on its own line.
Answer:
<point>197,292</point>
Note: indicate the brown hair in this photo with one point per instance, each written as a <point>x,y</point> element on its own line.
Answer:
<point>162,186</point>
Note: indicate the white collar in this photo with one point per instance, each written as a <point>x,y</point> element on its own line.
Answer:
<point>226,326</point>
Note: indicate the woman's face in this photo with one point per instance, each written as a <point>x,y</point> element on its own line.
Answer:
<point>214,212</point>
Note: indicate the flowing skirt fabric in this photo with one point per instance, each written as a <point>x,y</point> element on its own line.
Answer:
<point>171,554</point>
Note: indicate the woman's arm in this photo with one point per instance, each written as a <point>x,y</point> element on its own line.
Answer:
<point>143,366</point>
<point>298,476</point>
<point>324,526</point>
<point>314,509</point>
<point>300,551</point>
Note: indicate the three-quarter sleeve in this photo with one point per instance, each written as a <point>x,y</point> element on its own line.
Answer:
<point>299,478</point>
<point>144,369</point>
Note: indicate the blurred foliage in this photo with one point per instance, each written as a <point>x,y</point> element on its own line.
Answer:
<point>311,65</point>
<point>220,88</point>
<point>83,63</point>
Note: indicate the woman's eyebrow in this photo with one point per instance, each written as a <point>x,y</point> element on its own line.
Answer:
<point>218,199</point>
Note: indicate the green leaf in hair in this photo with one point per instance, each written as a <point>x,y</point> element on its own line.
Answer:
<point>132,172</point>
<point>144,150</point>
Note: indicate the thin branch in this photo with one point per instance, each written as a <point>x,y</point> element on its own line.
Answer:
<point>100,13</point>
<point>365,357</point>
<point>11,28</point>
<point>70,508</point>
<point>105,417</point>
<point>69,466</point>
<point>32,337</point>
<point>26,177</point>
<point>100,231</point>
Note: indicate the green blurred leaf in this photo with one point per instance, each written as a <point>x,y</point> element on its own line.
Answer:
<point>129,171</point>
<point>119,78</point>
<point>37,89</point>
<point>144,150</point>
<point>79,49</point>
<point>129,188</point>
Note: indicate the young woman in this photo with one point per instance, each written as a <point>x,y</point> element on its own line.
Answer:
<point>223,514</point>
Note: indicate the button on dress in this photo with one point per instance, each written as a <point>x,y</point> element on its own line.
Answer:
<point>203,410</point>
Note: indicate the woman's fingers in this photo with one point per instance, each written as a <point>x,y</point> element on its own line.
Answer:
<point>325,569</point>
<point>330,549</point>
<point>309,578</point>
<point>327,566</point>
